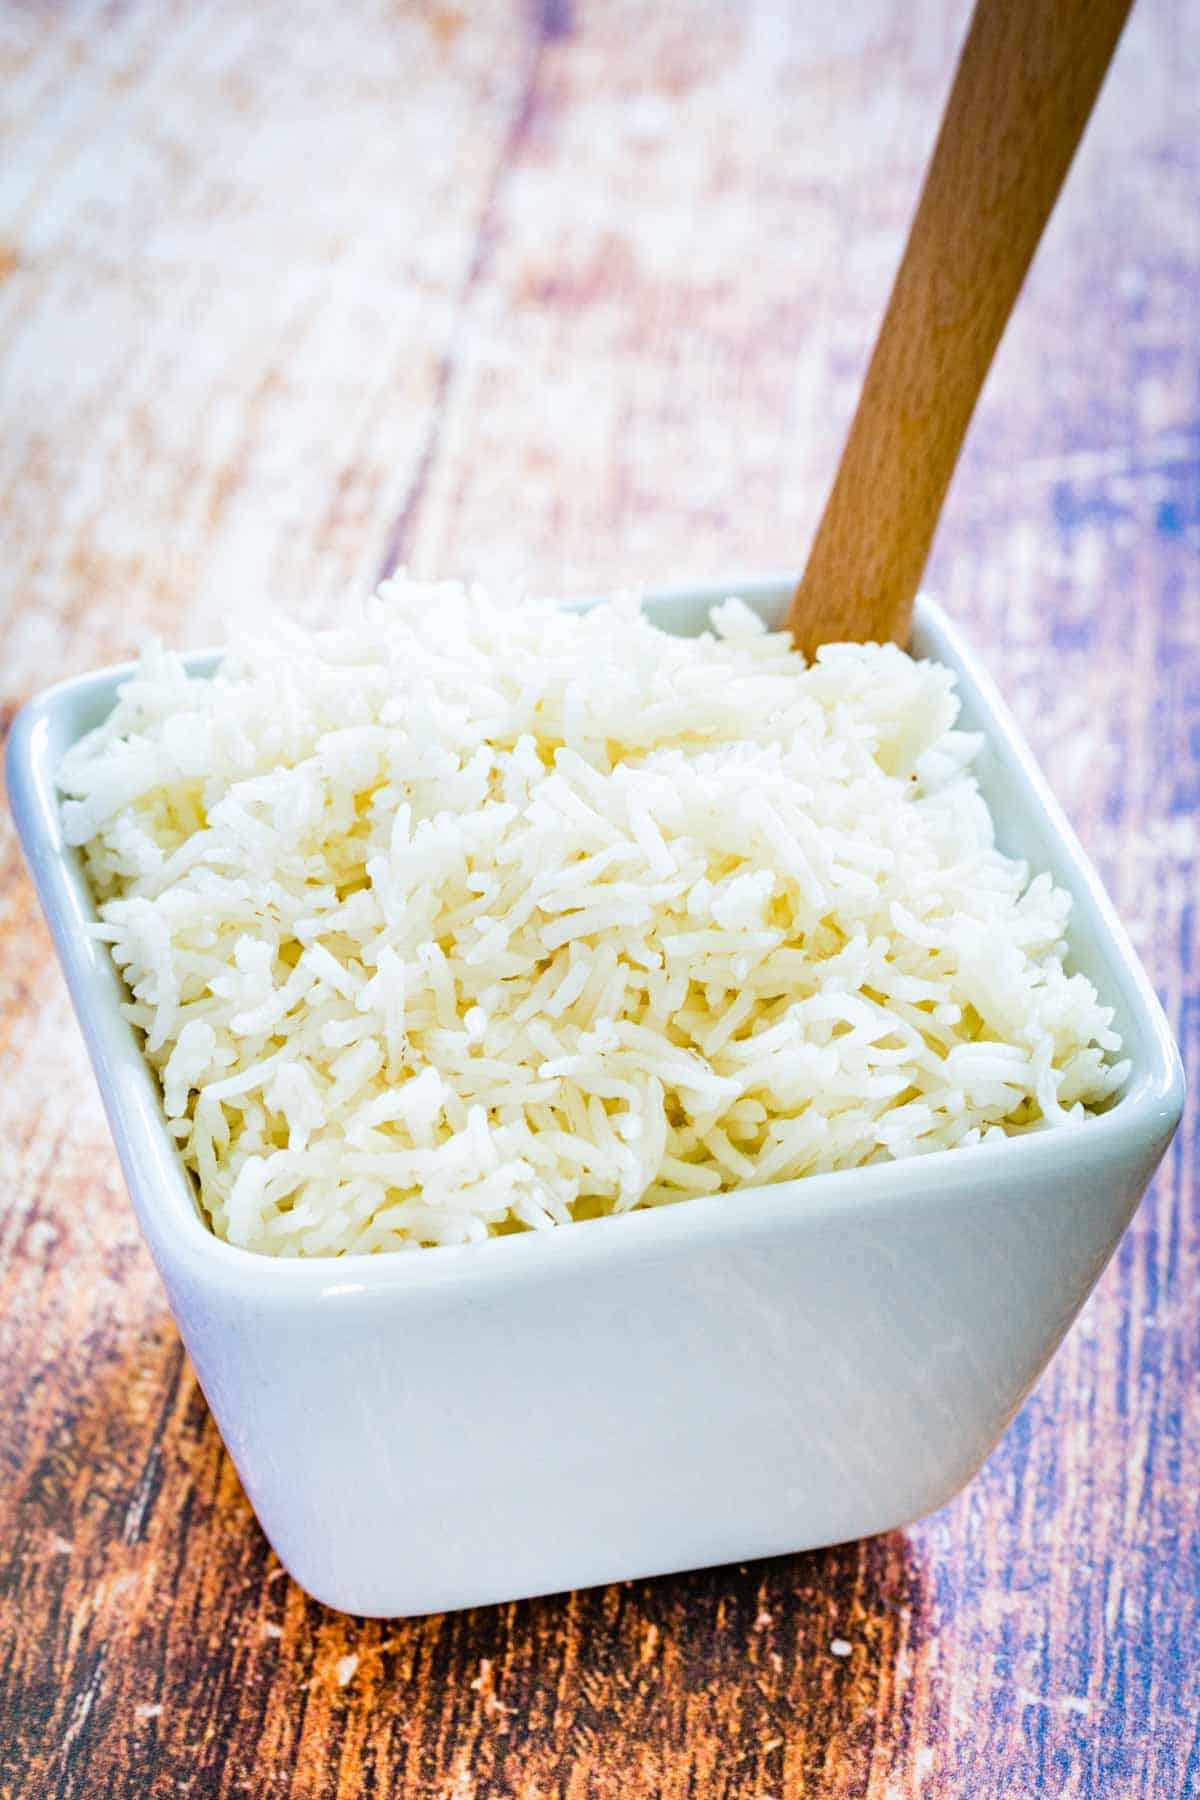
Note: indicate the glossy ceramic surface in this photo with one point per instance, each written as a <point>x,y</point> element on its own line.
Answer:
<point>768,1371</point>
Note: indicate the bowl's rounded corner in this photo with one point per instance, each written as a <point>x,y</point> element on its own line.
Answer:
<point>18,741</point>
<point>1174,1091</point>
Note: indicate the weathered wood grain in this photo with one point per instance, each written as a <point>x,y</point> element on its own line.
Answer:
<point>578,295</point>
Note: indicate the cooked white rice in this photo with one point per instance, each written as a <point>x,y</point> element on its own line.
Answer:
<point>470,916</point>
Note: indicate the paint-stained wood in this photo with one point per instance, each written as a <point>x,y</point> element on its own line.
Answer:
<point>579,294</point>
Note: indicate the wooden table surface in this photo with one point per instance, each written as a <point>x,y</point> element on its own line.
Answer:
<point>577,294</point>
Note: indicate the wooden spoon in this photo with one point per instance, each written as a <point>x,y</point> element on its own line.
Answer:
<point>1028,75</point>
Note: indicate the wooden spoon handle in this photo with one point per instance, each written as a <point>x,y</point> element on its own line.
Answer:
<point>1028,75</point>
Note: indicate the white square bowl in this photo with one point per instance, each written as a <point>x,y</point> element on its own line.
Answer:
<point>733,1377</point>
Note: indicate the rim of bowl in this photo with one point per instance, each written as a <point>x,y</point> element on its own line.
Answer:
<point>163,1191</point>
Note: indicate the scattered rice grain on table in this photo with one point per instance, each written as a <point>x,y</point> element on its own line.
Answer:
<point>472,915</point>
